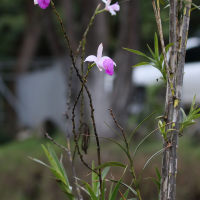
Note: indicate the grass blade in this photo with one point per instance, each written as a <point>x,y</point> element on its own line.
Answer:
<point>139,126</point>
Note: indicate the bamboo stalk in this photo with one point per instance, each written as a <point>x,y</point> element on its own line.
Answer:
<point>177,103</point>
<point>169,98</point>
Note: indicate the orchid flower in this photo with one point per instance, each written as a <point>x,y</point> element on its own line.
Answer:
<point>102,62</point>
<point>111,8</point>
<point>42,3</point>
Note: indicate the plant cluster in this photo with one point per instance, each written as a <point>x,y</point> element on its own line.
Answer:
<point>170,128</point>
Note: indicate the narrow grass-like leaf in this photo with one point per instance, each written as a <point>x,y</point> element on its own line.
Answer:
<point>198,7</point>
<point>140,64</point>
<point>166,50</point>
<point>110,164</point>
<point>103,176</point>
<point>156,182</point>
<point>152,53</point>
<point>89,189</point>
<point>138,146</point>
<point>39,161</point>
<point>111,190</point>
<point>94,180</point>
<point>114,131</point>
<point>115,190</point>
<point>129,187</point>
<point>65,189</point>
<point>82,188</point>
<point>139,126</point>
<point>51,160</point>
<point>139,53</point>
<point>158,174</point>
<point>154,155</point>
<point>117,144</point>
<point>103,190</point>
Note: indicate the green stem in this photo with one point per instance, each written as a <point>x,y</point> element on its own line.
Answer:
<point>133,173</point>
<point>97,12</point>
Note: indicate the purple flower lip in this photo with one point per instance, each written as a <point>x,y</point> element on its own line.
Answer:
<point>108,66</point>
<point>42,3</point>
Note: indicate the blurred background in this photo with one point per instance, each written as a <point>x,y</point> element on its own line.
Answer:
<point>34,77</point>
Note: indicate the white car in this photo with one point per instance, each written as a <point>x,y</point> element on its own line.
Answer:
<point>147,75</point>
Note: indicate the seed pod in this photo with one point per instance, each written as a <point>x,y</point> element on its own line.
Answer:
<point>85,132</point>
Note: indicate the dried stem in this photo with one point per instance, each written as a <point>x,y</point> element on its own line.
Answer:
<point>48,137</point>
<point>122,130</point>
<point>73,169</point>
<point>76,55</point>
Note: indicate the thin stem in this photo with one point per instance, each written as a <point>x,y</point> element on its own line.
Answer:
<point>73,169</point>
<point>83,85</point>
<point>48,137</point>
<point>159,25</point>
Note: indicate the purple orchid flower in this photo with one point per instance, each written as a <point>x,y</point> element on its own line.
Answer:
<point>111,8</point>
<point>102,62</point>
<point>42,3</point>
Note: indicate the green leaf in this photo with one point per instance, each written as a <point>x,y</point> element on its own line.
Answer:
<point>110,164</point>
<point>152,53</point>
<point>82,188</point>
<point>39,161</point>
<point>103,175</point>
<point>156,182</point>
<point>139,126</point>
<point>115,190</point>
<point>198,7</point>
<point>89,189</point>
<point>51,160</point>
<point>184,115</point>
<point>142,63</point>
<point>114,130</point>
<point>111,190</point>
<point>154,155</point>
<point>138,146</point>
<point>166,50</point>
<point>158,174</point>
<point>129,187</point>
<point>65,189</point>
<point>117,144</point>
<point>94,180</point>
<point>161,1</point>
<point>103,190</point>
<point>139,53</point>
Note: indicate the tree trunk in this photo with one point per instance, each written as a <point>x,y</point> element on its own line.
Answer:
<point>173,101</point>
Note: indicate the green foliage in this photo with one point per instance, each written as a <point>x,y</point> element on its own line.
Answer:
<point>58,170</point>
<point>162,128</point>
<point>193,114</point>
<point>157,61</point>
<point>94,191</point>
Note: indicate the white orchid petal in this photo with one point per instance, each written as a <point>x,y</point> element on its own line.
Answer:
<point>108,3</point>
<point>35,2</point>
<point>115,7</point>
<point>91,59</point>
<point>104,1</point>
<point>99,52</point>
<point>111,10</point>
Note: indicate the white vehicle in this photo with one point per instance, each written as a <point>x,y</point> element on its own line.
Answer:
<point>144,76</point>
